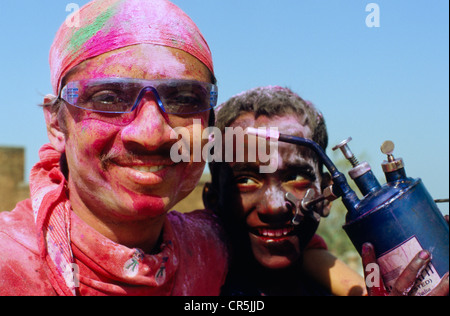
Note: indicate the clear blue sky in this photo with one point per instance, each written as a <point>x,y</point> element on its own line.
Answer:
<point>386,82</point>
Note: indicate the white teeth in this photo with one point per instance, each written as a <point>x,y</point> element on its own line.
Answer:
<point>148,168</point>
<point>274,232</point>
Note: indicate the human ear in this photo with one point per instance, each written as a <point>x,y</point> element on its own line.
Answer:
<point>209,196</point>
<point>55,133</point>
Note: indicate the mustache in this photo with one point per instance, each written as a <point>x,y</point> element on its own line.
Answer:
<point>131,155</point>
<point>110,156</point>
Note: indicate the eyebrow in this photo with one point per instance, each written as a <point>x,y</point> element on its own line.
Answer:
<point>302,167</point>
<point>298,164</point>
<point>246,166</point>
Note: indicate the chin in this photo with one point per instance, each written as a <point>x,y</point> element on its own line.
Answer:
<point>275,262</point>
<point>275,253</point>
<point>137,206</point>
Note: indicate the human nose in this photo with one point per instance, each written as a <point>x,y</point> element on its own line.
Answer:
<point>273,208</point>
<point>150,127</point>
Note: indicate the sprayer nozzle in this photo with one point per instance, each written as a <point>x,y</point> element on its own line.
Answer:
<point>392,164</point>
<point>343,146</point>
<point>263,132</point>
<point>387,148</point>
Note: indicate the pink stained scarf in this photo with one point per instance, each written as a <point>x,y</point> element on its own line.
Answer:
<point>107,25</point>
<point>192,260</point>
<point>51,210</point>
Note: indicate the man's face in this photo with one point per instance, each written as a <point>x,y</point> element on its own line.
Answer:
<point>124,171</point>
<point>275,242</point>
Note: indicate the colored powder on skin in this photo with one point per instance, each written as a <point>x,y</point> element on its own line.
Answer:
<point>83,34</point>
<point>273,199</point>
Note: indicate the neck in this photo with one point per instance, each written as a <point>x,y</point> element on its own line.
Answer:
<point>281,282</point>
<point>272,282</point>
<point>142,233</point>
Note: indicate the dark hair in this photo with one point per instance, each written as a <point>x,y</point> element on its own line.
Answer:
<point>273,101</point>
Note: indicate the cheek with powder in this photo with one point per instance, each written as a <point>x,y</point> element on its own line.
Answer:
<point>91,140</point>
<point>191,178</point>
<point>99,135</point>
<point>194,169</point>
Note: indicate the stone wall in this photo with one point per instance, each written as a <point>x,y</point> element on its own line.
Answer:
<point>12,169</point>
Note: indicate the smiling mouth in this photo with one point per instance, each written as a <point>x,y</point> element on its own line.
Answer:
<point>150,169</point>
<point>273,233</point>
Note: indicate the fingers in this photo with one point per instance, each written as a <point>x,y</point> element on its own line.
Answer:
<point>442,288</point>
<point>368,254</point>
<point>408,277</point>
<point>374,282</point>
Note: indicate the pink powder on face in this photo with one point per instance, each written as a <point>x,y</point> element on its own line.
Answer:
<point>107,25</point>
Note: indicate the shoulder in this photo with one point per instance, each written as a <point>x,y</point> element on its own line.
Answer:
<point>317,242</point>
<point>200,222</point>
<point>202,252</point>
<point>199,228</point>
<point>18,227</point>
<point>21,271</point>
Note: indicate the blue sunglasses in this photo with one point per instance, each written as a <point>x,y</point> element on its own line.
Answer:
<point>123,95</point>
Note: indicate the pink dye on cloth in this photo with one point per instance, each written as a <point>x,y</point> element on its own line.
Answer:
<point>107,25</point>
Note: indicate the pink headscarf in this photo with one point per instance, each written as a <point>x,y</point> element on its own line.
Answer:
<point>106,25</point>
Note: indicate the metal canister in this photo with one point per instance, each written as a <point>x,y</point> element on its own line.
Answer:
<point>400,219</point>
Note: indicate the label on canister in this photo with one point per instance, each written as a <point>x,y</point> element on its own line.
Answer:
<point>393,262</point>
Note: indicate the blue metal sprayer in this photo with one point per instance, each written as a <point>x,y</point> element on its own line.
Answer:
<point>399,218</point>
